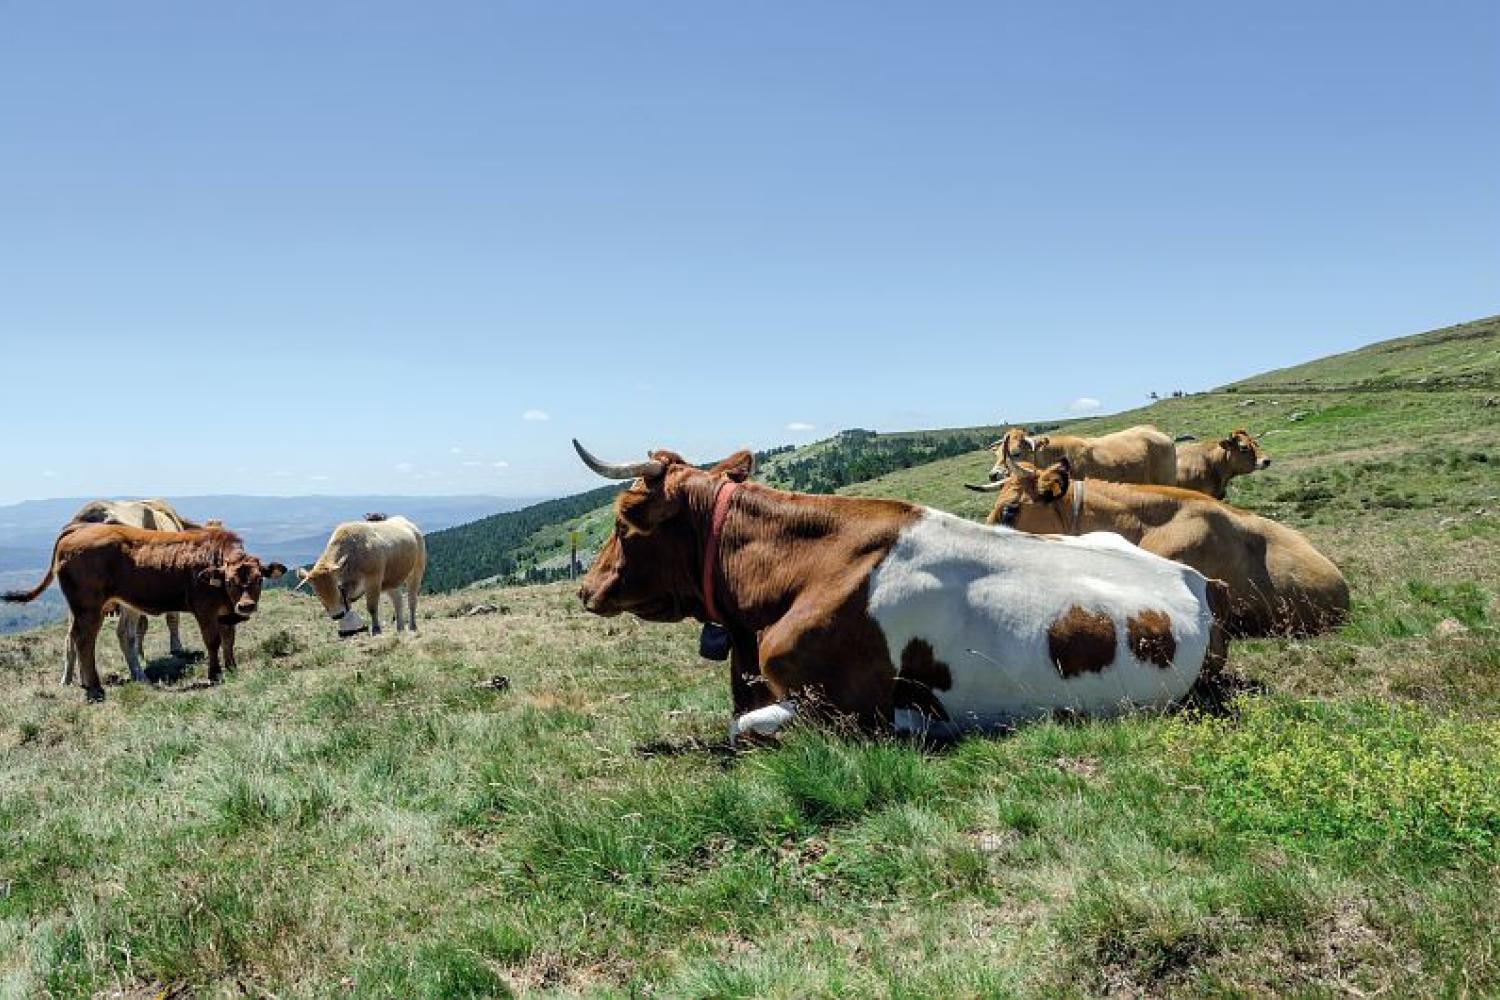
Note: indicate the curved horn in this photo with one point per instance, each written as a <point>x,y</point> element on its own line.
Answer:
<point>612,471</point>
<point>986,488</point>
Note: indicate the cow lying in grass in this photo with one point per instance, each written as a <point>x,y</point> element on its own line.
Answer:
<point>1279,584</point>
<point>103,566</point>
<point>900,615</point>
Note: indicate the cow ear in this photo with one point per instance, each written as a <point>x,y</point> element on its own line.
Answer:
<point>275,571</point>
<point>1228,443</point>
<point>1040,441</point>
<point>1052,485</point>
<point>737,467</point>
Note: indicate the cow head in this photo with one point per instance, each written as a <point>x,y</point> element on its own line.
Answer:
<point>1013,447</point>
<point>1027,498</point>
<point>239,576</point>
<point>1242,454</point>
<point>333,595</point>
<point>652,563</point>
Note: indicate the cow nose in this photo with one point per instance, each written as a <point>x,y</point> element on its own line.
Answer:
<point>246,607</point>
<point>994,475</point>
<point>585,595</point>
<point>1265,463</point>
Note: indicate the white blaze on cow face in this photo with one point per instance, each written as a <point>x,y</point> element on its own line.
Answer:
<point>1026,625</point>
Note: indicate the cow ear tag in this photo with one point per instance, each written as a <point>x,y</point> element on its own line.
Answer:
<point>713,642</point>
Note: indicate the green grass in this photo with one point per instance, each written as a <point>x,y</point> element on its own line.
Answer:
<point>371,818</point>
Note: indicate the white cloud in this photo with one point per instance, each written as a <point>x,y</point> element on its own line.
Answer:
<point>1084,404</point>
<point>500,465</point>
<point>471,464</point>
<point>455,450</point>
<point>404,466</point>
<point>536,415</point>
<point>50,473</point>
<point>800,426</point>
<point>318,479</point>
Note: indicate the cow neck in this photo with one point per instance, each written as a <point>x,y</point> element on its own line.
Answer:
<point>718,513</point>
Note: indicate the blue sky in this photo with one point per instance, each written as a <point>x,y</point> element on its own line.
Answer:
<point>292,248</point>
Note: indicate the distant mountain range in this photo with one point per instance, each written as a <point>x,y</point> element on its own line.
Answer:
<point>291,530</point>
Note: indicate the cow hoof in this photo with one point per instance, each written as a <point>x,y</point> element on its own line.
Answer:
<point>93,694</point>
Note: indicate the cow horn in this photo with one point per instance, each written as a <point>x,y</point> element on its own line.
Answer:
<point>986,488</point>
<point>610,470</point>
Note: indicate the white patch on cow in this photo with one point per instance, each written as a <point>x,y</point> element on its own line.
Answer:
<point>764,721</point>
<point>984,597</point>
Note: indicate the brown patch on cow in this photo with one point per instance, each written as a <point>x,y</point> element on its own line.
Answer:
<point>920,676</point>
<point>1149,636</point>
<point>1081,642</point>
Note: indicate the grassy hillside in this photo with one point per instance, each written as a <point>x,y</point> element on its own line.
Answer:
<point>373,819</point>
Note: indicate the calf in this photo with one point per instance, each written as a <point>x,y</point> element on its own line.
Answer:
<point>1208,466</point>
<point>204,572</point>
<point>895,614</point>
<point>1278,583</point>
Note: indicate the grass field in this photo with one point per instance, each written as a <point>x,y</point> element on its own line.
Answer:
<point>375,818</point>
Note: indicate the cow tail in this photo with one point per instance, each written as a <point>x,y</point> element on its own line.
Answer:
<point>27,596</point>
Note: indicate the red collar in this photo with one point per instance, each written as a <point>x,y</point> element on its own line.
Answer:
<point>711,551</point>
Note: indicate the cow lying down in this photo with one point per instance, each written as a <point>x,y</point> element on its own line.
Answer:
<point>900,615</point>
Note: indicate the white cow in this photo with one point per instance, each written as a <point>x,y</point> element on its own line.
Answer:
<point>379,555</point>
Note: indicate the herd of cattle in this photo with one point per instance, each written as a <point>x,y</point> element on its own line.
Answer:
<point>1110,574</point>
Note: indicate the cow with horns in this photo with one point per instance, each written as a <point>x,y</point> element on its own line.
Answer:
<point>898,615</point>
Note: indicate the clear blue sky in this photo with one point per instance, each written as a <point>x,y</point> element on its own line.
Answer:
<point>341,247</point>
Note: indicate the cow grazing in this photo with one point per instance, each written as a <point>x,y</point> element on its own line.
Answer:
<point>1208,466</point>
<point>379,555</point>
<point>153,515</point>
<point>897,614</point>
<point>1278,583</point>
<point>1140,454</point>
<point>205,572</point>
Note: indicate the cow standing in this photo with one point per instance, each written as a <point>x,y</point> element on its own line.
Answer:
<point>1208,466</point>
<point>153,515</point>
<point>1278,583</point>
<point>379,555</point>
<point>205,572</point>
<point>1140,454</point>
<point>898,614</point>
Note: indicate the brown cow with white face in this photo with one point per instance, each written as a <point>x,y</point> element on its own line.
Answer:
<point>1140,454</point>
<point>1278,583</point>
<point>1208,466</point>
<point>895,614</point>
<point>204,572</point>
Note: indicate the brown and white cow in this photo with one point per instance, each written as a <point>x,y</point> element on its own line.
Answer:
<point>379,555</point>
<point>153,515</point>
<point>897,614</point>
<point>1140,454</point>
<point>204,572</point>
<point>1208,466</point>
<point>1278,583</point>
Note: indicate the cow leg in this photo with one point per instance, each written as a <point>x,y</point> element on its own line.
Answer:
<point>372,605</point>
<point>226,636</point>
<point>414,585</point>
<point>84,634</point>
<point>174,632</point>
<point>396,604</point>
<point>125,631</point>
<point>70,655</point>
<point>208,625</point>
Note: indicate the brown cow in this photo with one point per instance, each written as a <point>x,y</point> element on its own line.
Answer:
<point>102,566</point>
<point>896,614</point>
<point>1278,583</point>
<point>1207,467</point>
<point>1140,454</point>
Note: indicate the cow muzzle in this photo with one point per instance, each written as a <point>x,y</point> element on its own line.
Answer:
<point>1265,463</point>
<point>246,607</point>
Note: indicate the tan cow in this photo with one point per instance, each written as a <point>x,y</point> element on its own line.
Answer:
<point>1207,467</point>
<point>1140,454</point>
<point>152,515</point>
<point>378,555</point>
<point>1278,583</point>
